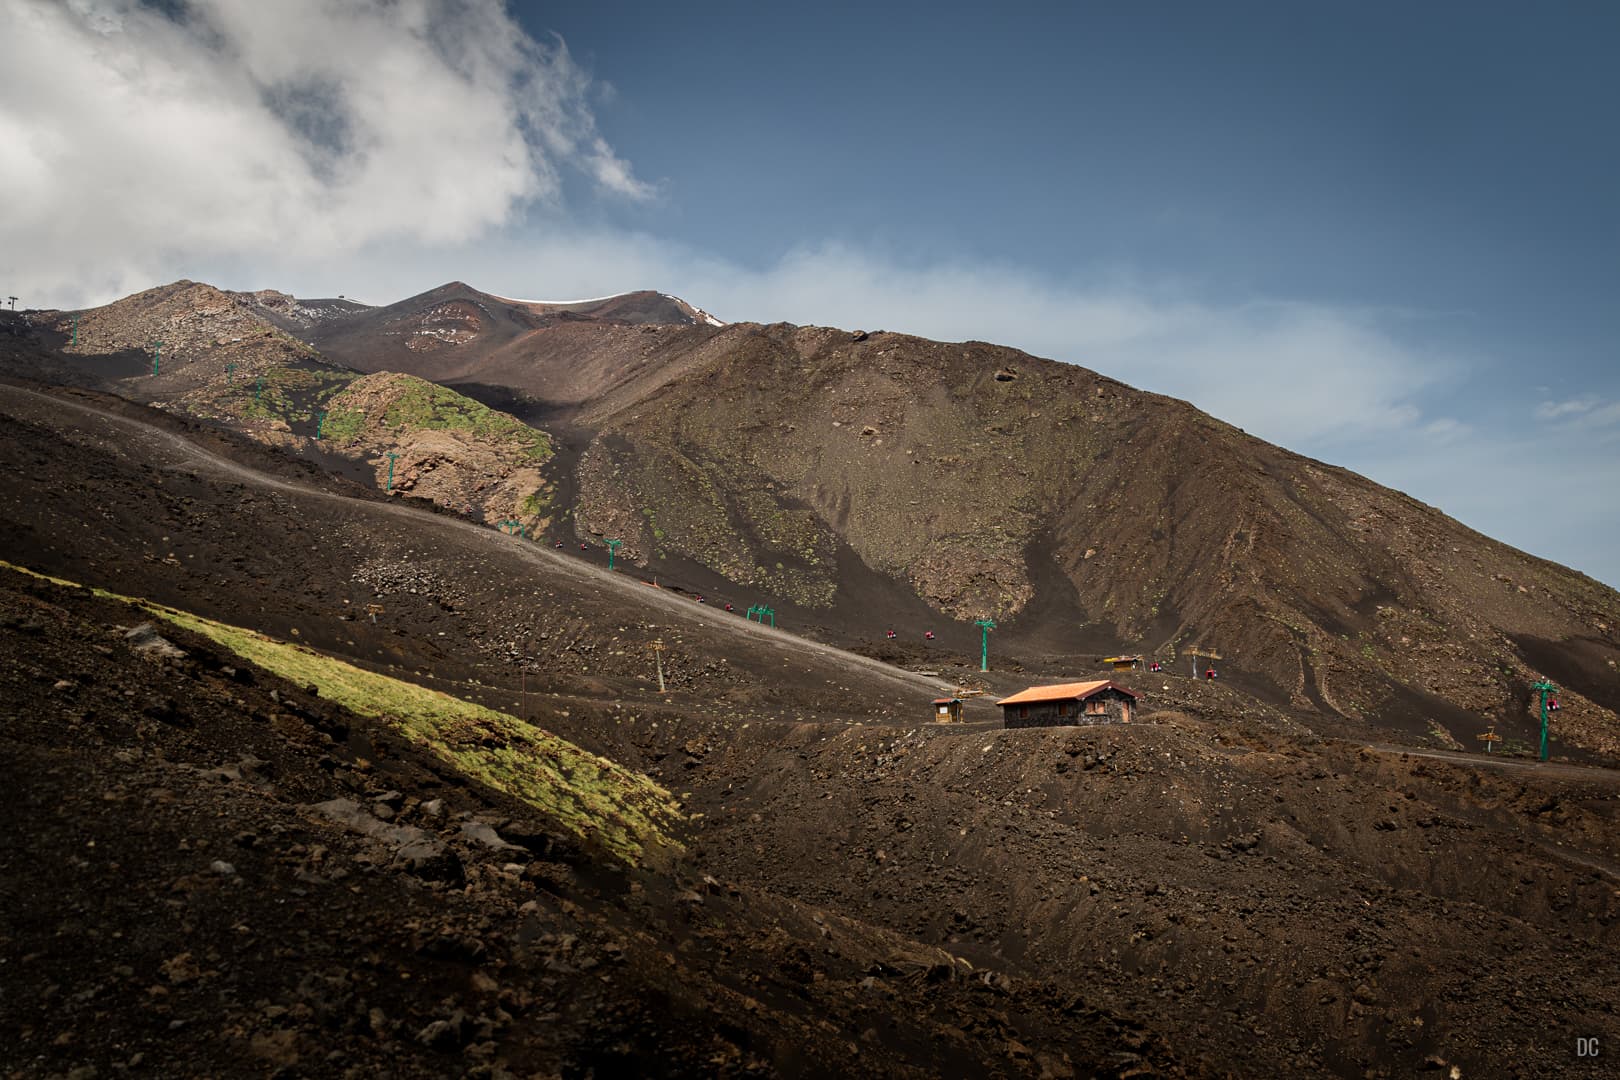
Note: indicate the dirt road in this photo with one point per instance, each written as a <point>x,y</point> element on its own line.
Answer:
<point>132,437</point>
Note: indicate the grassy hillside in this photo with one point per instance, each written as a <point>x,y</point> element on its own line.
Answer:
<point>591,797</point>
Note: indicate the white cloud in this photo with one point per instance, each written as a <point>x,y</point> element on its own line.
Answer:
<point>1588,412</point>
<point>1446,430</point>
<point>130,141</point>
<point>1555,410</point>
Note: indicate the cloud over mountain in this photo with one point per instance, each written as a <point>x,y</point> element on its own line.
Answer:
<point>233,128</point>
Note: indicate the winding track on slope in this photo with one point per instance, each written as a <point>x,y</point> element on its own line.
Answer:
<point>153,444</point>
<point>180,452</point>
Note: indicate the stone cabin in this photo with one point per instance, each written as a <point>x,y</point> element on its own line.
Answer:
<point>1101,702</point>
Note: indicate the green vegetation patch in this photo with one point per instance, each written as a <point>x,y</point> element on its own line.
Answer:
<point>343,425</point>
<point>592,797</point>
<point>426,405</point>
<point>292,394</point>
<point>537,503</point>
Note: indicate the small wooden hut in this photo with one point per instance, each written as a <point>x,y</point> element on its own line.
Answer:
<point>1100,702</point>
<point>1124,663</point>
<point>948,710</point>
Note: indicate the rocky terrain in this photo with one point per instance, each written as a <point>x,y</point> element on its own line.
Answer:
<point>228,358</point>
<point>318,774</point>
<point>874,479</point>
<point>214,875</point>
<point>863,481</point>
<point>228,874</point>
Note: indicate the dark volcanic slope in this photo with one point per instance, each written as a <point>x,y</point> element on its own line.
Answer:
<point>204,875</point>
<point>807,464</point>
<point>181,507</point>
<point>860,893</point>
<point>299,316</point>
<point>1083,514</point>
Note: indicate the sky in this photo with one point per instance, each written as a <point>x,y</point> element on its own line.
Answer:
<point>1385,235</point>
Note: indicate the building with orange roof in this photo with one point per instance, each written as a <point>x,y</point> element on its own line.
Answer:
<point>1102,701</point>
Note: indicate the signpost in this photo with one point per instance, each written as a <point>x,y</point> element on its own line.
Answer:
<point>1545,688</point>
<point>1490,738</point>
<point>658,658</point>
<point>985,626</point>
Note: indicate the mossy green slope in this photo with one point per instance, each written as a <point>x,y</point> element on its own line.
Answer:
<point>407,403</point>
<point>592,797</point>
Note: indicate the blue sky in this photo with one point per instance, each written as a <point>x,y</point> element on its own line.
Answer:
<point>1384,235</point>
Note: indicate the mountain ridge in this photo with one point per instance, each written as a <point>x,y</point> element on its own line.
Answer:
<point>1081,514</point>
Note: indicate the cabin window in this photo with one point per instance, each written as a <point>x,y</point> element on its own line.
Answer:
<point>1023,712</point>
<point>1096,708</point>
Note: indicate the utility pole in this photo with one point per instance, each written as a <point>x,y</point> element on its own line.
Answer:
<point>658,658</point>
<point>985,626</point>
<point>613,547</point>
<point>320,423</point>
<point>391,457</point>
<point>230,374</point>
<point>258,390</point>
<point>75,330</point>
<point>157,353</point>
<point>1545,688</point>
<point>13,300</point>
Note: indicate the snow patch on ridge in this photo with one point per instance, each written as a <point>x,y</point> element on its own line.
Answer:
<point>560,303</point>
<point>697,313</point>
